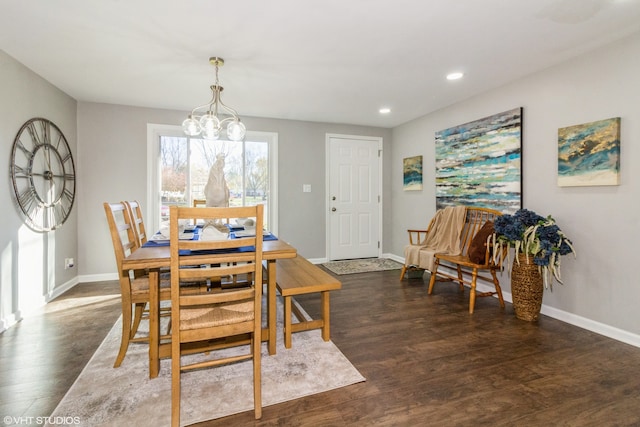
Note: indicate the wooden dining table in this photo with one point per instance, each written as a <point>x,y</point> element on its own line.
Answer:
<point>157,257</point>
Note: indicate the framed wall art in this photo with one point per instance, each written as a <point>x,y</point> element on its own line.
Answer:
<point>589,154</point>
<point>412,173</point>
<point>480,163</point>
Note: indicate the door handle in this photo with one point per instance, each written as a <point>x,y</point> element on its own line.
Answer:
<point>333,209</point>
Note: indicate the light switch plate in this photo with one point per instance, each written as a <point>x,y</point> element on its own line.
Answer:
<point>306,188</point>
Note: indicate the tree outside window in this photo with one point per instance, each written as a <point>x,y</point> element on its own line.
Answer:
<point>185,163</point>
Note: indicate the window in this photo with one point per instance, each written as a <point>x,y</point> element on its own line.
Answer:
<point>179,169</point>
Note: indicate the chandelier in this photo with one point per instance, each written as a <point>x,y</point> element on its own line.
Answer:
<point>210,123</point>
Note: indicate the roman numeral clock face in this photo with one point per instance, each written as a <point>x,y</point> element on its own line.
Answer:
<point>43,175</point>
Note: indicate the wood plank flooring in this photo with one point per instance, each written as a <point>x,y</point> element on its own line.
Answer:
<point>426,360</point>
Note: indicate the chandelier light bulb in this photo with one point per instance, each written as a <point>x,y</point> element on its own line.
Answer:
<point>211,133</point>
<point>208,122</point>
<point>236,131</point>
<point>190,126</point>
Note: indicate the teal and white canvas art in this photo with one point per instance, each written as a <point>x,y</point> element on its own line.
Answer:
<point>479,163</point>
<point>589,154</point>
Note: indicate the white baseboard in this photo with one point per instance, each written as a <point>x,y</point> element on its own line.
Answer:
<point>575,320</point>
<point>55,293</point>
<point>98,277</point>
<point>394,257</point>
<point>13,318</point>
<point>7,322</point>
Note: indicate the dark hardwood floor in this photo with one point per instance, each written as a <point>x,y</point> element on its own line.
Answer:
<point>41,356</point>
<point>426,360</point>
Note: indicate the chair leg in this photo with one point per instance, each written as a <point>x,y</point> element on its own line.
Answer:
<point>496,283</point>
<point>460,279</point>
<point>126,333</point>
<point>403,271</point>
<point>432,280</point>
<point>257,375</point>
<point>472,294</point>
<point>175,380</point>
<point>139,310</point>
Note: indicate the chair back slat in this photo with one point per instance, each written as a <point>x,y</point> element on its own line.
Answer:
<point>137,221</point>
<point>122,232</point>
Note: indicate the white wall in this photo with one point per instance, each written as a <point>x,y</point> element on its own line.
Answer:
<point>31,264</point>
<point>600,288</point>
<point>112,158</point>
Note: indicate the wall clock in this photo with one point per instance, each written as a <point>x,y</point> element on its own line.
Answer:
<point>43,175</point>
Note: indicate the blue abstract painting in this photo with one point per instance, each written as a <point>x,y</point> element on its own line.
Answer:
<point>589,154</point>
<point>480,163</point>
<point>412,173</point>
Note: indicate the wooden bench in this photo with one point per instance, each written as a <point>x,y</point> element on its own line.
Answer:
<point>297,276</point>
<point>461,268</point>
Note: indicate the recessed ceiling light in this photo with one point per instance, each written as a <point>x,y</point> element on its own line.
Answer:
<point>385,110</point>
<point>454,76</point>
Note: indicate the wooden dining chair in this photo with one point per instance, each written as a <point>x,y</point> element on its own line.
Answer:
<point>198,203</point>
<point>219,313</point>
<point>135,212</point>
<point>134,285</point>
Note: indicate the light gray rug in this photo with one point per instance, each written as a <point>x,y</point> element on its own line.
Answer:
<point>362,265</point>
<point>107,396</point>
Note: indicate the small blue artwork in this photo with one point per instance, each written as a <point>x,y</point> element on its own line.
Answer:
<point>412,173</point>
<point>589,154</point>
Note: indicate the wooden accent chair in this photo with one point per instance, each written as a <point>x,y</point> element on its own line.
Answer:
<point>476,256</point>
<point>415,238</point>
<point>135,212</point>
<point>134,286</point>
<point>220,313</point>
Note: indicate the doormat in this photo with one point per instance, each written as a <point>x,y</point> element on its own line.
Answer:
<point>352,266</point>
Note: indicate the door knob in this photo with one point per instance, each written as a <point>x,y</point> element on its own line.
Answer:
<point>333,198</point>
<point>333,209</point>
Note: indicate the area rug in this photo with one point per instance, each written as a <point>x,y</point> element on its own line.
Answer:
<point>362,265</point>
<point>107,396</point>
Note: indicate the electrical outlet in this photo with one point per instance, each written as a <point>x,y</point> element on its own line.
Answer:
<point>68,263</point>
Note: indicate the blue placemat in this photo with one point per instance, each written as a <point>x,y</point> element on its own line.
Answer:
<point>165,242</point>
<point>265,236</point>
<point>154,243</point>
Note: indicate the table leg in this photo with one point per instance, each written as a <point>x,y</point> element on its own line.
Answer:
<point>154,323</point>
<point>271,305</point>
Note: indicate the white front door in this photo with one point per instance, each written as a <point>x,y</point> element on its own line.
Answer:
<point>354,197</point>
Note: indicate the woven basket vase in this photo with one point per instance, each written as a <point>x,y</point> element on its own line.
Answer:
<point>526,289</point>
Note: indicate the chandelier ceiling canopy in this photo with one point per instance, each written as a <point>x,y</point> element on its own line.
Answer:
<point>209,120</point>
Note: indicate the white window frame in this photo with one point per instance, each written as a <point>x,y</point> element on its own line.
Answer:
<point>155,131</point>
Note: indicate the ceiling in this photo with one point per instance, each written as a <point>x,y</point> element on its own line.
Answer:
<point>335,61</point>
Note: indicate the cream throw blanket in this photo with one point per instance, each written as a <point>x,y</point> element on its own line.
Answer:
<point>444,237</point>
